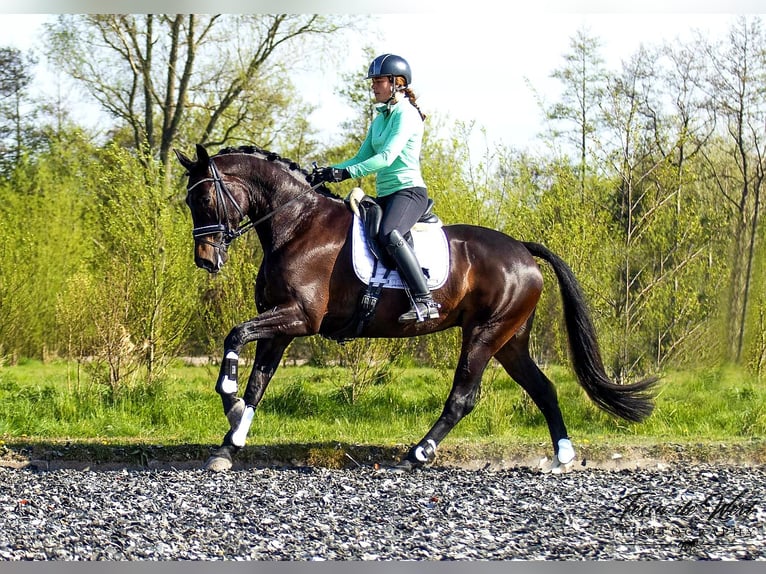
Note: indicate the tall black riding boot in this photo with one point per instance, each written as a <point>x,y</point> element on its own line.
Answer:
<point>423,305</point>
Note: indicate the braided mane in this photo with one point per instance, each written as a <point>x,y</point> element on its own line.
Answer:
<point>274,157</point>
<point>269,155</point>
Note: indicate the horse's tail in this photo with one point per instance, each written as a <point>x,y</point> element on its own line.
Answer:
<point>633,402</point>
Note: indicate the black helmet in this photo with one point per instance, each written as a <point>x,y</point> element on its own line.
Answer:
<point>390,65</point>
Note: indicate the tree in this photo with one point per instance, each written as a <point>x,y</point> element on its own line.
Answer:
<point>154,73</point>
<point>15,78</point>
<point>141,288</point>
<point>46,239</point>
<point>684,248</point>
<point>583,78</point>
<point>646,208</point>
<point>737,88</point>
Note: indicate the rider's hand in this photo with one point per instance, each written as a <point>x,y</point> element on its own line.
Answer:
<point>329,175</point>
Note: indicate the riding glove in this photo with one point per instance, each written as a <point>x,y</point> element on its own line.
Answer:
<point>330,175</point>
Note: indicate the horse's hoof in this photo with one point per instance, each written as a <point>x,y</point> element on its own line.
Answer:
<point>407,465</point>
<point>561,468</point>
<point>554,466</point>
<point>401,467</point>
<point>218,464</point>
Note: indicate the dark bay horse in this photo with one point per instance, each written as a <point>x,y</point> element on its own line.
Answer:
<point>306,286</point>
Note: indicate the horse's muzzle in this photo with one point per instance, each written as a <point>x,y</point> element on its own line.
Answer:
<point>209,257</point>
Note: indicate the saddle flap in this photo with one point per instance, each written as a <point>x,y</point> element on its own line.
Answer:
<point>371,214</point>
<point>431,248</point>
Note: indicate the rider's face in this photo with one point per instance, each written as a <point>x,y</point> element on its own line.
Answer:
<point>382,89</point>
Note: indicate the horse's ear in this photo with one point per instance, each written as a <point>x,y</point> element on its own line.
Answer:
<point>184,160</point>
<point>202,159</point>
<point>202,156</point>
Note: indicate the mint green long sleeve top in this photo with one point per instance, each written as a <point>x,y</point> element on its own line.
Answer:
<point>391,150</point>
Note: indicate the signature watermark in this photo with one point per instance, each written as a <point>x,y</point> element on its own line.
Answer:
<point>691,520</point>
<point>646,505</point>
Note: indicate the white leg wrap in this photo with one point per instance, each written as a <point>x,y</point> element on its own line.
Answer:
<point>420,452</point>
<point>566,452</point>
<point>240,435</point>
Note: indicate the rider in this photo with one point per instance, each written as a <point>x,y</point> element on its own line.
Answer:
<point>391,150</point>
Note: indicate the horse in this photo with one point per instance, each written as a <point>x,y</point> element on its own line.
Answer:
<point>306,286</point>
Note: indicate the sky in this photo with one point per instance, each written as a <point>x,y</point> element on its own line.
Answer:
<point>472,66</point>
<point>488,67</point>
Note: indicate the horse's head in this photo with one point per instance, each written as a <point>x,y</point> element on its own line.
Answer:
<point>218,204</point>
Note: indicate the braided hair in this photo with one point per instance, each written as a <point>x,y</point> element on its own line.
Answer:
<point>401,85</point>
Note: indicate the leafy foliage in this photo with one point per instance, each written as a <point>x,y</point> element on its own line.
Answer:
<point>649,187</point>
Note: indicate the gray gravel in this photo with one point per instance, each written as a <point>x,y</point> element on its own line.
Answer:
<point>697,513</point>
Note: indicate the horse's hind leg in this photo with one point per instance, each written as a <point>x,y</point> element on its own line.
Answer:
<point>474,357</point>
<point>514,357</point>
<point>240,411</point>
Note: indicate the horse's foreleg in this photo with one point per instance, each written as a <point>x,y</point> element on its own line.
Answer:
<point>240,414</point>
<point>274,331</point>
<point>288,321</point>
<point>277,322</point>
<point>268,355</point>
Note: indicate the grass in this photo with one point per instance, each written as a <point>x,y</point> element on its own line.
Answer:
<point>305,405</point>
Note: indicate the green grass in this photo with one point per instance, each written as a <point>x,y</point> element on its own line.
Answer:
<point>49,402</point>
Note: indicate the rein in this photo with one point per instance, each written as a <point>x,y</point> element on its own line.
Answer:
<point>222,192</point>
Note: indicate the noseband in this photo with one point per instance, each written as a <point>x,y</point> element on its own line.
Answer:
<point>221,194</point>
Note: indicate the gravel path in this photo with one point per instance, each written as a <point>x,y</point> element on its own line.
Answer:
<point>698,513</point>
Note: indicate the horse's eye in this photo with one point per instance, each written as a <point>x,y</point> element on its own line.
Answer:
<point>201,200</point>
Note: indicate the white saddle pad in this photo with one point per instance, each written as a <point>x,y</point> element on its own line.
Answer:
<point>431,249</point>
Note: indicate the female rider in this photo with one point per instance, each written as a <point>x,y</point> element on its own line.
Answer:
<point>391,150</point>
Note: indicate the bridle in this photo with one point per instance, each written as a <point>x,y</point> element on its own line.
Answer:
<point>222,226</point>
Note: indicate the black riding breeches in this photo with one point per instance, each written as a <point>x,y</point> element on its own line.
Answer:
<point>401,210</point>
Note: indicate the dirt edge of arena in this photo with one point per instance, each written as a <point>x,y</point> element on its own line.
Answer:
<point>53,455</point>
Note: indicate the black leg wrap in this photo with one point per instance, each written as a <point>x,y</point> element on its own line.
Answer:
<point>230,367</point>
<point>227,380</point>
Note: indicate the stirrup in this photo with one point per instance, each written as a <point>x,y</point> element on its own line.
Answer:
<point>422,310</point>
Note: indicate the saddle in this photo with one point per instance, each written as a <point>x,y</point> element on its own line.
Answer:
<point>377,268</point>
<point>371,214</point>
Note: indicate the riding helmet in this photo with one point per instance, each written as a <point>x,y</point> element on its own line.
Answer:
<point>390,65</point>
